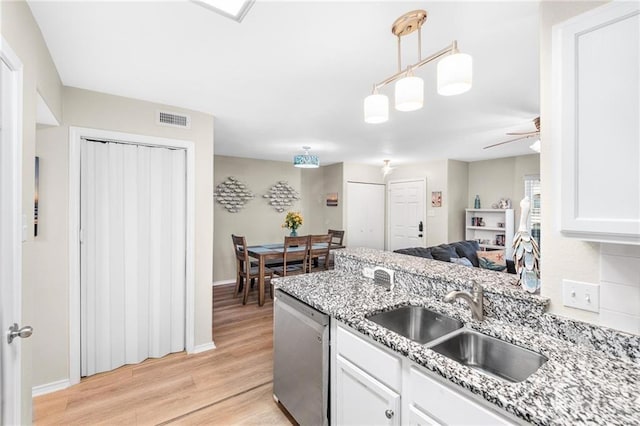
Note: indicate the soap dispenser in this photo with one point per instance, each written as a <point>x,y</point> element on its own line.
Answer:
<point>476,204</point>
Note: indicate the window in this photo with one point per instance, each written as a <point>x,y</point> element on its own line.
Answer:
<point>532,190</point>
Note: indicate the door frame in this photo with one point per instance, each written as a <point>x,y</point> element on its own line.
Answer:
<point>75,135</point>
<point>13,402</point>
<point>388,221</point>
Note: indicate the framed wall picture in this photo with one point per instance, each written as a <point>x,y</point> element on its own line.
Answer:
<point>332,199</point>
<point>436,199</point>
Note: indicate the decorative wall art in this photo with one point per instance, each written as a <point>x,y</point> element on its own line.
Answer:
<point>281,196</point>
<point>332,199</point>
<point>232,194</point>
<point>436,199</point>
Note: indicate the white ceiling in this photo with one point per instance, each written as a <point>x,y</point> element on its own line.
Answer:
<point>296,73</point>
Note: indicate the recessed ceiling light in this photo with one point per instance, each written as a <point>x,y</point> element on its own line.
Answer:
<point>234,9</point>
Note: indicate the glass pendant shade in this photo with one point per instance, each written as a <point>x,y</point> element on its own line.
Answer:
<point>306,161</point>
<point>409,93</point>
<point>376,109</point>
<point>455,74</point>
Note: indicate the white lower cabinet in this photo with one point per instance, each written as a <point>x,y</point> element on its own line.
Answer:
<point>372,385</point>
<point>436,403</point>
<point>363,400</point>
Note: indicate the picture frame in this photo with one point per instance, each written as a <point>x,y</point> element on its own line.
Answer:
<point>436,199</point>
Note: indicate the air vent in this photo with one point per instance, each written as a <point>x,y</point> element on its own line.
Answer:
<point>165,118</point>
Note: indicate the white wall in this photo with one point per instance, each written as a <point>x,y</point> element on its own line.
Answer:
<point>620,287</point>
<point>39,74</point>
<point>49,266</point>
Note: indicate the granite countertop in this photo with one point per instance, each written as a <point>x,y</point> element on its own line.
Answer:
<point>576,385</point>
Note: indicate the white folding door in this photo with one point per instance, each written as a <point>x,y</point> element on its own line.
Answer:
<point>133,243</point>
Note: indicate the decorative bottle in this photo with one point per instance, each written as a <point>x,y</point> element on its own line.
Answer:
<point>476,203</point>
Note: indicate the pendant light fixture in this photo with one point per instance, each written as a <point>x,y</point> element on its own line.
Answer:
<point>306,160</point>
<point>454,73</point>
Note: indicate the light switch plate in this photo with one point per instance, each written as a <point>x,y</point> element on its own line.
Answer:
<point>580,295</point>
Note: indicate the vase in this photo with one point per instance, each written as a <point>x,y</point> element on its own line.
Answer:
<point>294,233</point>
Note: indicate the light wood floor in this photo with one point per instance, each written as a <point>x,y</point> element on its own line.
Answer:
<point>230,385</point>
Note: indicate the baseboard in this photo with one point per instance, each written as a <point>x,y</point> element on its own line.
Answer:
<point>203,348</point>
<point>50,387</point>
<point>223,282</point>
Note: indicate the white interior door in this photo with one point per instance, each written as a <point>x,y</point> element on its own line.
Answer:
<point>133,253</point>
<point>365,215</point>
<point>10,233</point>
<point>407,214</point>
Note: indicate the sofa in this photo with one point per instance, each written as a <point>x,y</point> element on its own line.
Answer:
<point>445,252</point>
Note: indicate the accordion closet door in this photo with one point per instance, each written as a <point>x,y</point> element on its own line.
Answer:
<point>133,245</point>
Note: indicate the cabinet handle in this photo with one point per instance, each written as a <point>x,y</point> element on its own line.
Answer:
<point>389,413</point>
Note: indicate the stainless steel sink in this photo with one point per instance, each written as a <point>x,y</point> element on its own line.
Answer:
<point>416,323</point>
<point>490,355</point>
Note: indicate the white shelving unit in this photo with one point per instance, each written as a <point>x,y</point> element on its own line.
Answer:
<point>490,232</point>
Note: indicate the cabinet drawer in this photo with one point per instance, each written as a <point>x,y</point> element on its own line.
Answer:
<point>445,405</point>
<point>376,361</point>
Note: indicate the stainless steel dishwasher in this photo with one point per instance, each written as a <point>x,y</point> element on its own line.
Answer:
<point>301,360</point>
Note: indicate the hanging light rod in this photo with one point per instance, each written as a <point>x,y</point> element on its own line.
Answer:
<point>454,73</point>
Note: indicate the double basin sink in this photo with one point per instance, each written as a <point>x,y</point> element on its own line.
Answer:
<point>487,354</point>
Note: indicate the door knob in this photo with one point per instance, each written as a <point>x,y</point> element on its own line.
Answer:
<point>389,413</point>
<point>23,332</point>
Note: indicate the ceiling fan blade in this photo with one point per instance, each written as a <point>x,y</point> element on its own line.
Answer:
<point>532,133</point>
<point>509,141</point>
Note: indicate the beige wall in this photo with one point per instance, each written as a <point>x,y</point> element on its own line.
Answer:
<point>23,35</point>
<point>561,257</point>
<point>49,267</point>
<point>501,178</point>
<point>457,194</point>
<point>333,182</point>
<point>257,221</point>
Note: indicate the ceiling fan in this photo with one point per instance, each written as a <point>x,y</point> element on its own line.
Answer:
<point>521,135</point>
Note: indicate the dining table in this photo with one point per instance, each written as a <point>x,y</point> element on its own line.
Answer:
<point>274,253</point>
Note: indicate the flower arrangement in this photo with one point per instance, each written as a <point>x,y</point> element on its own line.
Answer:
<point>292,221</point>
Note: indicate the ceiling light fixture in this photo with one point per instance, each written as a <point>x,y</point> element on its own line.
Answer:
<point>386,169</point>
<point>535,146</point>
<point>306,161</point>
<point>233,9</point>
<point>454,73</point>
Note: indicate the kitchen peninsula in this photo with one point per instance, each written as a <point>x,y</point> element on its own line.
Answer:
<point>592,374</point>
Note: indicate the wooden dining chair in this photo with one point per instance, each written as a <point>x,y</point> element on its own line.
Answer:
<point>295,256</point>
<point>337,238</point>
<point>246,272</point>
<point>319,246</point>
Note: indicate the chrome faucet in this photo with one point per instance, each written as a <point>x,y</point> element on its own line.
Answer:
<point>474,299</point>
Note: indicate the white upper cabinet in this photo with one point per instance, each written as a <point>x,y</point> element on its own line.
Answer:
<point>596,85</point>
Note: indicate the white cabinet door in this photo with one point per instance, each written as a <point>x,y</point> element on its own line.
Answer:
<point>363,400</point>
<point>596,80</point>
<point>419,418</point>
<point>365,215</point>
<point>431,400</point>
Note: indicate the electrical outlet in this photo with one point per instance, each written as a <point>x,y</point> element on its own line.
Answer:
<point>367,272</point>
<point>579,295</point>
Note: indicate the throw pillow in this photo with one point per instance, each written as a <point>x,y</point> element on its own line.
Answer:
<point>467,249</point>
<point>462,261</point>
<point>443,253</point>
<point>493,260</point>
